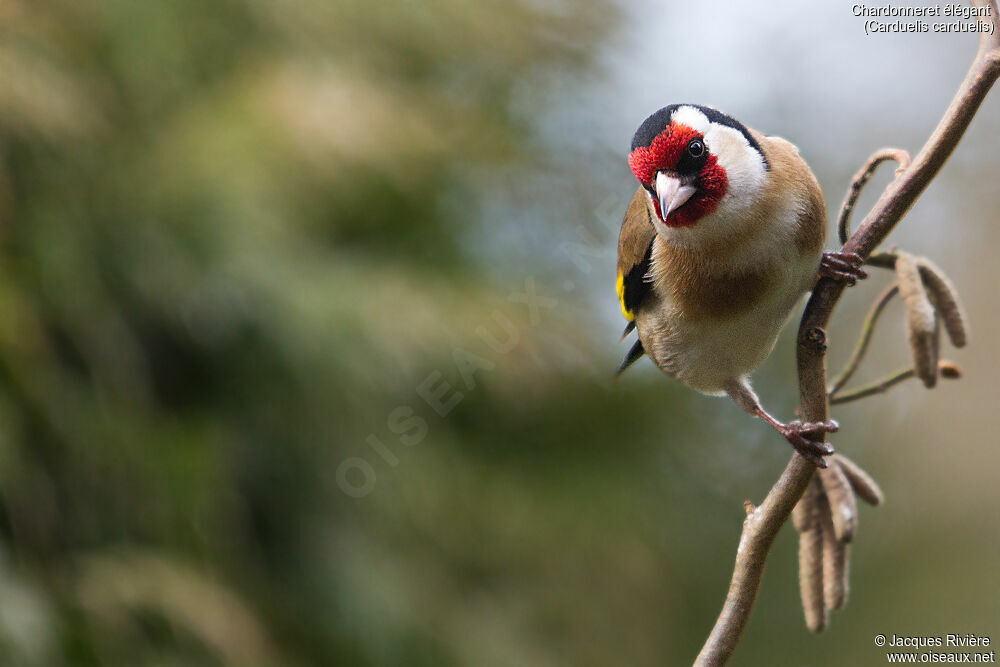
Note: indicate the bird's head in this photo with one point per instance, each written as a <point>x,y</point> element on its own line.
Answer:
<point>696,163</point>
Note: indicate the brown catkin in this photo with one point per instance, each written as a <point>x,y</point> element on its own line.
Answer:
<point>811,558</point>
<point>921,319</point>
<point>840,497</point>
<point>862,483</point>
<point>835,561</point>
<point>803,511</point>
<point>944,297</point>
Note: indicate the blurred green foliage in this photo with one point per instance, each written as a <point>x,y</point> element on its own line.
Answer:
<point>241,238</point>
<point>234,240</point>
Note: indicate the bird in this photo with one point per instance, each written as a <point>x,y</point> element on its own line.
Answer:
<point>721,239</point>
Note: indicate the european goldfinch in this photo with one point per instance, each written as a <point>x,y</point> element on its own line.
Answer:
<point>723,236</point>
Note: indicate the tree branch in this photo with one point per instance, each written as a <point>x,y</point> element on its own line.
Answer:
<point>761,526</point>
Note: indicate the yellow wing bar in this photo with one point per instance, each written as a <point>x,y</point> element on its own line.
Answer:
<point>629,315</point>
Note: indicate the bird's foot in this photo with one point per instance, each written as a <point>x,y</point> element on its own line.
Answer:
<point>797,433</point>
<point>842,266</point>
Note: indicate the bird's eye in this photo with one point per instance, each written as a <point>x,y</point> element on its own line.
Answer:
<point>696,148</point>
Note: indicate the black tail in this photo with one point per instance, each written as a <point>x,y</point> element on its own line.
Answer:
<point>633,356</point>
<point>628,330</point>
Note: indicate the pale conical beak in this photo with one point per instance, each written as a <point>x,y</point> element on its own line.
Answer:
<point>671,193</point>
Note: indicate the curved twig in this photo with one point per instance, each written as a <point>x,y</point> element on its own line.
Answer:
<point>867,331</point>
<point>761,527</point>
<point>859,181</point>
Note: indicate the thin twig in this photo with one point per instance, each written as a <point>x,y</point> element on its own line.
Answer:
<point>867,331</point>
<point>946,369</point>
<point>761,527</point>
<point>859,181</point>
<point>879,387</point>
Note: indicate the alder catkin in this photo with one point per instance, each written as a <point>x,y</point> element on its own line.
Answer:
<point>840,497</point>
<point>921,319</point>
<point>862,483</point>
<point>807,521</point>
<point>944,298</point>
<point>835,560</point>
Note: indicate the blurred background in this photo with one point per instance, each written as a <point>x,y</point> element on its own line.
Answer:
<point>308,328</point>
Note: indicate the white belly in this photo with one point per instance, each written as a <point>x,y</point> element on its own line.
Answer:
<point>708,353</point>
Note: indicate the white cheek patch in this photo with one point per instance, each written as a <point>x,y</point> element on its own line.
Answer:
<point>691,117</point>
<point>744,166</point>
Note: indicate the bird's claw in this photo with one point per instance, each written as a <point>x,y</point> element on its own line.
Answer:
<point>842,267</point>
<point>796,433</point>
<point>813,428</point>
